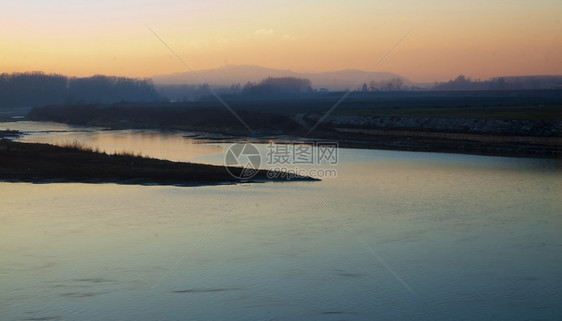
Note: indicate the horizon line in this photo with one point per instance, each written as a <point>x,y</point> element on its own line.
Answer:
<point>285,70</point>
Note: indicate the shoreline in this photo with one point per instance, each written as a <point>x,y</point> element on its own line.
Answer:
<point>397,140</point>
<point>483,145</point>
<point>519,131</point>
<point>45,163</point>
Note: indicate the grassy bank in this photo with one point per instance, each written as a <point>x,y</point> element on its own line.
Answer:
<point>43,163</point>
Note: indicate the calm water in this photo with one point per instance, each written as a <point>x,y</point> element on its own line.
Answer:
<point>458,237</point>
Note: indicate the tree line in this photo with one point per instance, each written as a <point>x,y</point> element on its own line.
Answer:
<point>270,87</point>
<point>394,84</point>
<point>500,83</point>
<point>30,89</point>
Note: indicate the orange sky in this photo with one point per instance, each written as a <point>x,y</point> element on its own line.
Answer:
<point>480,39</point>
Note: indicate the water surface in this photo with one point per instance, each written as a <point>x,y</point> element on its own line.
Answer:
<point>460,238</point>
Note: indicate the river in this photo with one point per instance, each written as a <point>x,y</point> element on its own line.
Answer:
<point>395,235</point>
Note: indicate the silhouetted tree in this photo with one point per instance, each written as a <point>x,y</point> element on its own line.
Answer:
<point>278,86</point>
<point>501,83</point>
<point>394,84</point>
<point>37,88</point>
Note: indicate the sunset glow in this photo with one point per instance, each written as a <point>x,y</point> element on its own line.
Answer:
<point>480,39</point>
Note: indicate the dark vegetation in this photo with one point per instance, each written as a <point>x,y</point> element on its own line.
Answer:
<point>551,112</point>
<point>33,89</point>
<point>501,83</point>
<point>276,87</point>
<point>183,92</point>
<point>43,163</point>
<point>380,116</point>
<point>465,103</point>
<point>440,101</point>
<point>9,134</point>
<point>400,102</point>
<point>393,84</point>
<point>38,89</point>
<point>522,104</point>
<point>269,88</point>
<point>286,87</point>
<point>183,116</point>
<point>512,123</point>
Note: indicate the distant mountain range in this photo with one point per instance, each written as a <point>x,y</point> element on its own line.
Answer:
<point>232,74</point>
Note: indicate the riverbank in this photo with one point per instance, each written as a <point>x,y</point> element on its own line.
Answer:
<point>413,141</point>
<point>520,124</point>
<point>44,163</point>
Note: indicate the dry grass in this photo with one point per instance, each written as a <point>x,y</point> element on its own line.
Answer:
<point>75,162</point>
<point>80,146</point>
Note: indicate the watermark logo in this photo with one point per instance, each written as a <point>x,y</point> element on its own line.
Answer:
<point>284,161</point>
<point>300,153</point>
<point>245,156</point>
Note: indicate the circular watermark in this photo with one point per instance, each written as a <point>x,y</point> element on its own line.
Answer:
<point>242,160</point>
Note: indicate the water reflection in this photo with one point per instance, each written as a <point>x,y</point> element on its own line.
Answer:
<point>476,237</point>
<point>176,146</point>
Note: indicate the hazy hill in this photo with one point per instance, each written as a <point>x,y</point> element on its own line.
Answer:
<point>232,74</point>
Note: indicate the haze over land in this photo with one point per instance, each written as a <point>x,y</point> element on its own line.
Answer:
<point>232,74</point>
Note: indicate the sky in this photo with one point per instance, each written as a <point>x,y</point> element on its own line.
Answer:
<point>479,38</point>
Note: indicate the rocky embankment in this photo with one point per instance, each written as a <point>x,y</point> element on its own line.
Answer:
<point>512,127</point>
<point>484,136</point>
